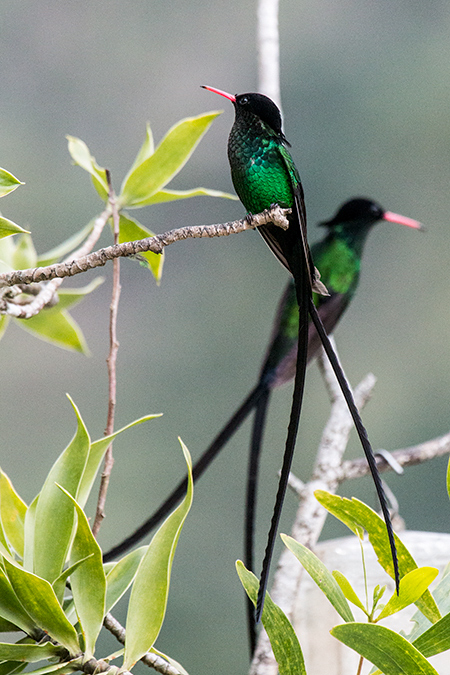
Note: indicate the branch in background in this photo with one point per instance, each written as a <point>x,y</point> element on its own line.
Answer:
<point>311,516</point>
<point>46,294</point>
<point>150,659</point>
<point>415,454</point>
<point>157,243</point>
<point>268,43</point>
<point>111,362</point>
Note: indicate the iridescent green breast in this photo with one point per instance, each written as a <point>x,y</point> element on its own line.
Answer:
<point>258,168</point>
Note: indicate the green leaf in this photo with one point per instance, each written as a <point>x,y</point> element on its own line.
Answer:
<point>29,653</point>
<point>8,182</point>
<point>387,650</point>
<point>38,598</point>
<point>436,639</point>
<point>147,149</point>
<point>360,515</point>
<point>348,590</point>
<point>66,246</point>
<point>285,645</point>
<point>172,662</point>
<point>172,195</point>
<point>59,585</point>
<point>61,668</point>
<point>168,159</point>
<point>7,228</point>
<point>28,544</point>
<point>58,327</point>
<point>25,255</point>
<point>54,513</point>
<point>448,478</point>
<point>121,576</point>
<point>148,599</point>
<point>80,154</point>
<point>131,230</point>
<point>12,512</point>
<point>69,297</point>
<point>11,609</point>
<point>4,322</point>
<point>320,574</point>
<point>7,626</point>
<point>95,457</point>
<point>412,586</point>
<point>88,581</point>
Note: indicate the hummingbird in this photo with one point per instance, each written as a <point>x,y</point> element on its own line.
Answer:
<point>263,173</point>
<point>338,258</point>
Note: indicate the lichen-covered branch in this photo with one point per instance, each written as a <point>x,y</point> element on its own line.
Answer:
<point>157,243</point>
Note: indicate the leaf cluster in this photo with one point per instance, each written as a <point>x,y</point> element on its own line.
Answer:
<point>54,586</point>
<point>390,652</point>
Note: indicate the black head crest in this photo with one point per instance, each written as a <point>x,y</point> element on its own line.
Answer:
<point>358,209</point>
<point>264,108</point>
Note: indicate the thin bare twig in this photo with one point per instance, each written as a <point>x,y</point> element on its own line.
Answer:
<point>150,659</point>
<point>111,364</point>
<point>83,263</point>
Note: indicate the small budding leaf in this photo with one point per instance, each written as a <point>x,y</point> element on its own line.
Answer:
<point>81,156</point>
<point>8,182</point>
<point>7,228</point>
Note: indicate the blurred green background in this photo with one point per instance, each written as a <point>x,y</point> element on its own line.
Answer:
<point>366,100</point>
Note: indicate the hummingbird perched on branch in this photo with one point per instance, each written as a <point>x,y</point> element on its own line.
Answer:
<point>338,258</point>
<point>263,173</point>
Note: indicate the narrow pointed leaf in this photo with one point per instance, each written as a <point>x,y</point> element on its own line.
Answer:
<point>64,667</point>
<point>121,576</point>
<point>448,478</point>
<point>58,327</point>
<point>322,577</point>
<point>59,584</point>
<point>12,667</point>
<point>25,255</point>
<point>172,662</point>
<point>39,599</point>
<point>168,159</point>
<point>436,639</point>
<point>80,154</point>
<point>285,644</point>
<point>54,512</point>
<point>63,249</point>
<point>7,228</point>
<point>29,653</point>
<point>361,515</point>
<point>29,528</point>
<point>96,452</point>
<point>7,627</point>
<point>131,230</point>
<point>347,590</point>
<point>387,650</point>
<point>8,182</point>
<point>11,609</point>
<point>12,511</point>
<point>146,150</point>
<point>172,195</point>
<point>412,586</point>
<point>88,580</point>
<point>149,594</point>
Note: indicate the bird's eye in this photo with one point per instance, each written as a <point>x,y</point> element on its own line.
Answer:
<point>244,100</point>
